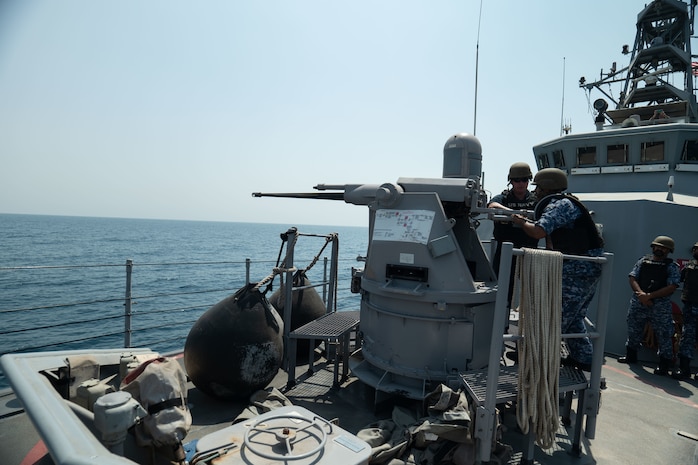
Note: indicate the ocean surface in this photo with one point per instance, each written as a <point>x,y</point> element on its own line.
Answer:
<point>63,279</point>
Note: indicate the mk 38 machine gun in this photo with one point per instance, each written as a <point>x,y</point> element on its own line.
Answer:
<point>427,288</point>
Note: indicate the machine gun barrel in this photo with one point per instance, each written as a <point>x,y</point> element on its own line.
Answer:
<point>357,194</point>
<point>302,195</point>
<point>503,215</point>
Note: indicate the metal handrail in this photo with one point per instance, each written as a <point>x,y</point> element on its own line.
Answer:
<point>486,413</point>
<point>130,301</point>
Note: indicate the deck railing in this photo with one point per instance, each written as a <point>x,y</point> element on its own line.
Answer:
<point>130,305</point>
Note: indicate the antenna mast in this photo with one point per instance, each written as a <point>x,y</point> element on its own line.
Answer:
<point>477,60</point>
<point>562,111</point>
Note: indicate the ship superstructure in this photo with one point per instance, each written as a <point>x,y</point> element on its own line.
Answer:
<point>638,171</point>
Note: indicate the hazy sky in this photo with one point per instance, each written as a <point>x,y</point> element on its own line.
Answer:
<point>181,109</point>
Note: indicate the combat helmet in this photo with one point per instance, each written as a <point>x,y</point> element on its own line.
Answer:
<point>553,179</point>
<point>664,241</point>
<point>519,170</point>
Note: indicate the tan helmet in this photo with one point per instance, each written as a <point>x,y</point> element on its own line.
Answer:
<point>519,170</point>
<point>695,246</point>
<point>553,179</point>
<point>664,241</point>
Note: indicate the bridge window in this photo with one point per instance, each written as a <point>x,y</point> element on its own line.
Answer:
<point>586,156</point>
<point>543,161</point>
<point>652,151</point>
<point>558,159</point>
<point>617,154</point>
<point>690,151</point>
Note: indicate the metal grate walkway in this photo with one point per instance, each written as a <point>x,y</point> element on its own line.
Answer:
<point>476,383</point>
<point>332,325</point>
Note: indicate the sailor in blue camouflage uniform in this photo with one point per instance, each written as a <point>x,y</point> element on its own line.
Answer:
<point>567,226</point>
<point>653,279</point>
<point>689,297</point>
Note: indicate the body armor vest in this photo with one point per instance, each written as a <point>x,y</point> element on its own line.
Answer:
<point>506,232</point>
<point>690,285</point>
<point>578,240</point>
<point>653,274</point>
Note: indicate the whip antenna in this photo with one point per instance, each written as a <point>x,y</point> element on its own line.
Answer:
<point>477,60</point>
<point>562,111</point>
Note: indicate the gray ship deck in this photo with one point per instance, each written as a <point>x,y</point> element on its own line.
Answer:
<point>644,418</point>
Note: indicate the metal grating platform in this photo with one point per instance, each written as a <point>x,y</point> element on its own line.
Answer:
<point>335,327</point>
<point>476,383</point>
<point>332,325</point>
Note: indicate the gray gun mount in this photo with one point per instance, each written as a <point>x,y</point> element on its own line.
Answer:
<point>460,197</point>
<point>426,278</point>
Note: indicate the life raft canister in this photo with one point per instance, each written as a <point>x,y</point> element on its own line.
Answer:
<point>236,347</point>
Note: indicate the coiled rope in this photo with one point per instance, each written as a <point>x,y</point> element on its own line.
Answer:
<point>540,273</point>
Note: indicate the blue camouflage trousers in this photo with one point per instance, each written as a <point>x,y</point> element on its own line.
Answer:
<point>577,292</point>
<point>659,316</point>
<point>688,333</point>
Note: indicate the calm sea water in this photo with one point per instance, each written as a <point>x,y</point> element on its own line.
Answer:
<point>64,278</point>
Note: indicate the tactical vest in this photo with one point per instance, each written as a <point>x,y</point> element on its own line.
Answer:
<point>581,237</point>
<point>506,232</point>
<point>690,282</point>
<point>653,274</point>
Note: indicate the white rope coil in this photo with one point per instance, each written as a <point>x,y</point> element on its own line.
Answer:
<point>540,275</point>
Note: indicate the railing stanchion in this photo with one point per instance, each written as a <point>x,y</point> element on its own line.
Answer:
<point>332,295</point>
<point>288,295</point>
<point>127,304</point>
<point>324,284</point>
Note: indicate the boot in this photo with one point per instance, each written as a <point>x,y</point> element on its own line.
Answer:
<point>665,364</point>
<point>630,356</point>
<point>684,370</point>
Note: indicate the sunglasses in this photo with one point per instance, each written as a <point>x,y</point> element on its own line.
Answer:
<point>519,179</point>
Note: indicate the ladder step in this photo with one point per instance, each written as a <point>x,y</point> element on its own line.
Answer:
<point>331,325</point>
<point>476,383</point>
